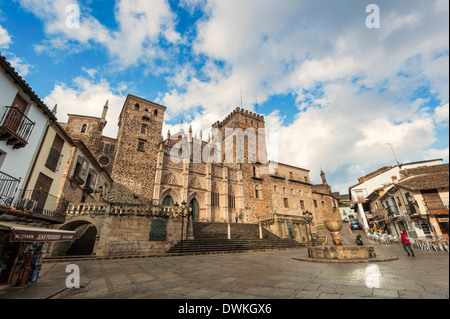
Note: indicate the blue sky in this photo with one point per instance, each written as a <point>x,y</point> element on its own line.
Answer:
<point>336,91</point>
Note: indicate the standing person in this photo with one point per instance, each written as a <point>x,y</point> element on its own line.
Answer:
<point>237,218</point>
<point>406,244</point>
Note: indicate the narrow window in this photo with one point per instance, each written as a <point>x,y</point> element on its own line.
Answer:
<point>143,129</point>
<point>102,145</point>
<point>155,112</point>
<point>286,203</point>
<point>141,146</point>
<point>84,128</point>
<point>107,148</point>
<point>136,106</point>
<point>111,150</point>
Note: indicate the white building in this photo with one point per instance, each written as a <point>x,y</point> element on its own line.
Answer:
<point>374,180</point>
<point>23,120</point>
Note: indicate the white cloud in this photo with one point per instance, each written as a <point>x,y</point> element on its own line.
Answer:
<point>87,96</point>
<point>142,25</point>
<point>5,39</point>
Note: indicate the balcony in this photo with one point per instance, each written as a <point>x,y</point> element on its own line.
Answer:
<point>15,127</point>
<point>43,206</point>
<point>438,206</point>
<point>392,211</point>
<point>8,188</point>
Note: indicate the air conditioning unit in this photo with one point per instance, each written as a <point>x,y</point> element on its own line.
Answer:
<point>27,205</point>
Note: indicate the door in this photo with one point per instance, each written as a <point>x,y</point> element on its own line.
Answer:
<point>15,114</point>
<point>195,210</point>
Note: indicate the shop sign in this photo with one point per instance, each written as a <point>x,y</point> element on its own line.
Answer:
<point>39,236</point>
<point>443,220</point>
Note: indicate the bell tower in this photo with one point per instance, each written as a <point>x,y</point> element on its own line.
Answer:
<point>140,129</point>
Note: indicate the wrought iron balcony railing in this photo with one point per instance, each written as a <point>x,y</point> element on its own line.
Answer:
<point>8,188</point>
<point>15,127</point>
<point>43,205</point>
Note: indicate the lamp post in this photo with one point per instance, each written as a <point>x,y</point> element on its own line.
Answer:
<point>183,212</point>
<point>308,218</point>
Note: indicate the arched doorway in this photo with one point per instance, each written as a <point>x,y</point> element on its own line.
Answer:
<point>195,210</point>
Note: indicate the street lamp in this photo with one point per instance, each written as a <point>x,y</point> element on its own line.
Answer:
<point>183,212</point>
<point>308,218</point>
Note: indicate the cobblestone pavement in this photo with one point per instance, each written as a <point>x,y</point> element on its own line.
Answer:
<point>266,275</point>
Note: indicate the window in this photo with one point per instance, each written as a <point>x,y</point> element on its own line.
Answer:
<point>214,199</point>
<point>111,150</point>
<point>155,112</point>
<point>143,129</point>
<point>136,106</point>
<point>104,161</point>
<point>315,203</point>
<point>286,203</point>
<point>323,204</point>
<point>102,145</point>
<point>274,188</point>
<point>55,153</point>
<point>84,128</point>
<point>231,201</point>
<point>302,204</point>
<point>141,146</point>
<point>107,148</point>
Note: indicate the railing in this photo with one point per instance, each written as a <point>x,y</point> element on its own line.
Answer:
<point>117,209</point>
<point>8,188</point>
<point>438,204</point>
<point>125,248</point>
<point>43,205</point>
<point>16,123</point>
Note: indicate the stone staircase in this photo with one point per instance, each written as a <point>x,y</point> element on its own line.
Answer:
<point>84,244</point>
<point>213,237</point>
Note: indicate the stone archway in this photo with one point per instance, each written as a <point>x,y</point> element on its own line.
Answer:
<point>85,241</point>
<point>197,198</point>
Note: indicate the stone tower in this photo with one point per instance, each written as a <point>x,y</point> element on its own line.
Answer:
<point>249,129</point>
<point>140,128</point>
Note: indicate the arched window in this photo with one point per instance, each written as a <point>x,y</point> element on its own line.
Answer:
<point>112,148</point>
<point>168,201</point>
<point>136,106</point>
<point>107,148</point>
<point>155,112</point>
<point>84,128</point>
<point>101,146</point>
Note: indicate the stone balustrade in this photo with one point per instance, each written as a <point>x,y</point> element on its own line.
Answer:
<point>116,209</point>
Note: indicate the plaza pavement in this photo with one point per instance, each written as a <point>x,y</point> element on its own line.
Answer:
<point>250,275</point>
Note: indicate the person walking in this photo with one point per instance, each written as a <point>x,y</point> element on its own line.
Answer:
<point>358,240</point>
<point>406,244</point>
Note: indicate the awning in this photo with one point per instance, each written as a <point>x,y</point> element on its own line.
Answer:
<point>24,233</point>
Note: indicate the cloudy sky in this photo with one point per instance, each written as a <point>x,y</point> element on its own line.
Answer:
<point>339,93</point>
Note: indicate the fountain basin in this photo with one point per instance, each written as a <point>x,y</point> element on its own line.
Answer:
<point>341,252</point>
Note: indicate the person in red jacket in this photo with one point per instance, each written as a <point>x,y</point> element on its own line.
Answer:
<point>406,244</point>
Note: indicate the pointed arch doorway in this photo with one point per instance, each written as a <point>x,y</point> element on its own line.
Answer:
<point>195,210</point>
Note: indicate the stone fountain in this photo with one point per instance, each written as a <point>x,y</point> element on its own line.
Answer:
<point>338,251</point>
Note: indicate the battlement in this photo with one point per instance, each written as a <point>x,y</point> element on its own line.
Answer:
<point>239,112</point>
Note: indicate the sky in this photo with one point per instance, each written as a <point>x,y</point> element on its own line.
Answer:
<point>348,88</point>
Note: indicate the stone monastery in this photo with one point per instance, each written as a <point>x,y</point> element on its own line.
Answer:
<point>145,173</point>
